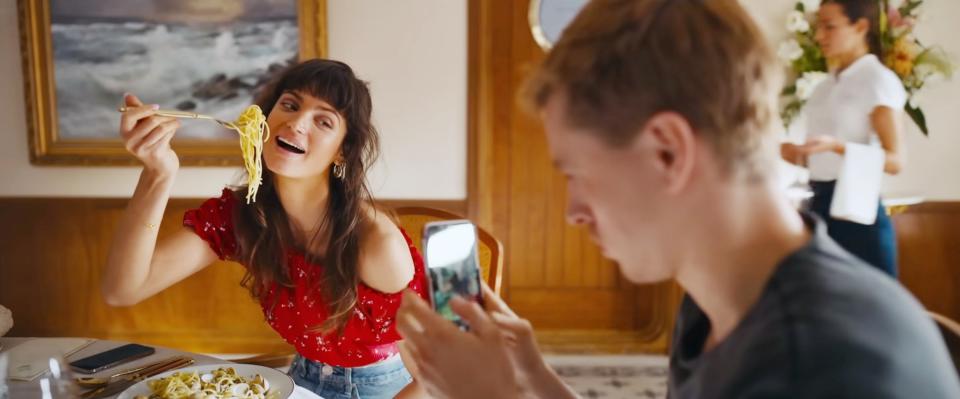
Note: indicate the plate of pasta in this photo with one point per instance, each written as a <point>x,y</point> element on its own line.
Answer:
<point>214,381</point>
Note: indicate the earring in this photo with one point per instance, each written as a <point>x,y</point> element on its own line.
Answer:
<point>339,170</point>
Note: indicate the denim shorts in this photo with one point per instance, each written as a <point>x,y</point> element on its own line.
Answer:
<point>380,380</point>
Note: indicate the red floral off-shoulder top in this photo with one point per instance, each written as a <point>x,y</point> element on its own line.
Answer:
<point>370,334</point>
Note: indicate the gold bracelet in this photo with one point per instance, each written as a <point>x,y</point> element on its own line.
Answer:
<point>151,226</point>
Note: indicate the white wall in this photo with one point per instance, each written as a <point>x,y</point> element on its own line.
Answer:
<point>933,165</point>
<point>414,54</point>
<point>414,60</point>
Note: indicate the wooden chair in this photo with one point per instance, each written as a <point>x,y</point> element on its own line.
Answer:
<point>950,330</point>
<point>412,219</point>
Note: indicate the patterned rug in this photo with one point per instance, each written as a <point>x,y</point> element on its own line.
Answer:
<point>613,377</point>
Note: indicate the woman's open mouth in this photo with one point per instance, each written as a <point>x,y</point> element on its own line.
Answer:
<point>290,146</point>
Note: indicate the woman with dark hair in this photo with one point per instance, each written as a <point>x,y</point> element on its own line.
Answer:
<point>326,266</point>
<point>859,103</point>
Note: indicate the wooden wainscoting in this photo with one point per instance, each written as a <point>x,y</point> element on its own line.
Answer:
<point>929,243</point>
<point>52,251</point>
<point>51,257</point>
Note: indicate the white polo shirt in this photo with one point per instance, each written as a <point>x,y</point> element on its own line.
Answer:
<point>841,106</point>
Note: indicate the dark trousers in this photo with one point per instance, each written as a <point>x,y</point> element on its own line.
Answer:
<point>876,244</point>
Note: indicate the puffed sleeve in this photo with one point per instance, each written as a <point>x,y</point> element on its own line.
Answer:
<point>213,222</point>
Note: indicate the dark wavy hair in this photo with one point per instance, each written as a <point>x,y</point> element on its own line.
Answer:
<point>263,228</point>
<point>869,10</point>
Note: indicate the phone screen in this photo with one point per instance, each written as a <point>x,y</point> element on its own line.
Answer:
<point>453,269</point>
<point>110,358</point>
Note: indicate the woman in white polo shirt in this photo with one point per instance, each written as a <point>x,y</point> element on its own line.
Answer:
<point>860,102</point>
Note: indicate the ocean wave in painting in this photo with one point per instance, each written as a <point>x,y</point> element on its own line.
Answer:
<point>213,69</point>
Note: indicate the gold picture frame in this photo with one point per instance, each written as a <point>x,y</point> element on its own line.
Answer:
<point>48,146</point>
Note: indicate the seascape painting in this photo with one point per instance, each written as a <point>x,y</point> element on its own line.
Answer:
<point>205,56</point>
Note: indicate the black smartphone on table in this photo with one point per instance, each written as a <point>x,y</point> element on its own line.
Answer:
<point>110,358</point>
<point>453,267</point>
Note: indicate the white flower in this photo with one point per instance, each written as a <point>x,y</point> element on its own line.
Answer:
<point>810,5</point>
<point>901,30</point>
<point>797,22</point>
<point>790,51</point>
<point>913,102</point>
<point>808,82</point>
<point>924,70</point>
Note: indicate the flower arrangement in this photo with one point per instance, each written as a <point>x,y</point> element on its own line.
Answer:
<point>914,63</point>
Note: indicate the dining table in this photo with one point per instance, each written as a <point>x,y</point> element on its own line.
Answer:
<point>31,389</point>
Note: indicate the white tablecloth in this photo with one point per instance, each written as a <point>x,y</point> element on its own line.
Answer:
<point>27,390</point>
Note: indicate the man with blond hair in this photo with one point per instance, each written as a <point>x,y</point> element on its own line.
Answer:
<point>662,114</point>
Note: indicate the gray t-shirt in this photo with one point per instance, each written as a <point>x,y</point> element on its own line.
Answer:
<point>827,325</point>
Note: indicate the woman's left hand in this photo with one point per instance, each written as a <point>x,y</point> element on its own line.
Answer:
<point>818,144</point>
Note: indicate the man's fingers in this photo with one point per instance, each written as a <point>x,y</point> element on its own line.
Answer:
<point>516,326</point>
<point>429,378</point>
<point>407,323</point>
<point>493,303</point>
<point>475,316</point>
<point>418,320</point>
<point>425,314</point>
<point>411,358</point>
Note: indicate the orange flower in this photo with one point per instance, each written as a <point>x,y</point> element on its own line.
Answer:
<point>901,56</point>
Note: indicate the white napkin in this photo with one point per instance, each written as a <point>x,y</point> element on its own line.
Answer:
<point>857,191</point>
<point>303,393</point>
<point>30,359</point>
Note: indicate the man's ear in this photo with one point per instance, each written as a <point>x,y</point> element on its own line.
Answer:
<point>671,141</point>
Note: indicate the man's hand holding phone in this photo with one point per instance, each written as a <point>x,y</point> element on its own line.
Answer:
<point>497,358</point>
<point>453,267</point>
<point>452,362</point>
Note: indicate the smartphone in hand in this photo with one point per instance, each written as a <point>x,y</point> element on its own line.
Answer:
<point>453,268</point>
<point>110,358</point>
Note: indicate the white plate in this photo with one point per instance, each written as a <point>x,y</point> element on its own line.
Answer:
<point>281,385</point>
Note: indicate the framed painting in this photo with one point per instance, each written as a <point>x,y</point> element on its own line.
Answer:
<point>210,57</point>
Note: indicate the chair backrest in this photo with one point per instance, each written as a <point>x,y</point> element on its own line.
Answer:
<point>950,330</point>
<point>489,249</point>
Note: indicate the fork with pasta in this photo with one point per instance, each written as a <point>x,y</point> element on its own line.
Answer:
<point>252,128</point>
